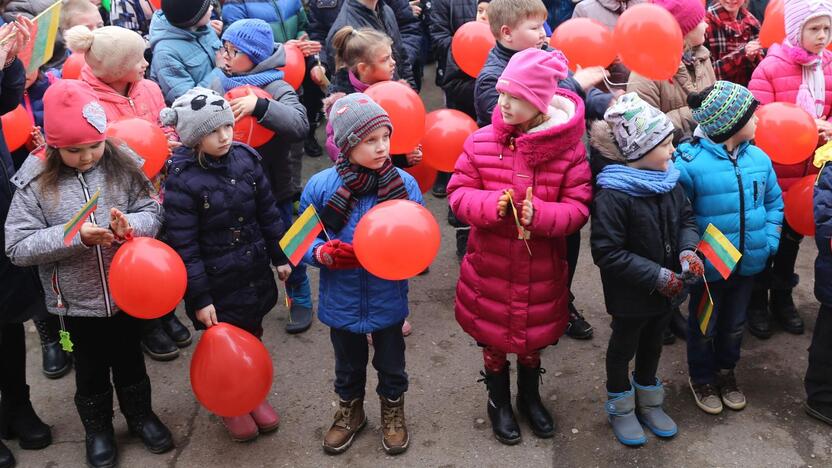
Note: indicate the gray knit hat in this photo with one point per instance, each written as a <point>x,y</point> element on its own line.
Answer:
<point>355,116</point>
<point>197,113</point>
<point>637,126</point>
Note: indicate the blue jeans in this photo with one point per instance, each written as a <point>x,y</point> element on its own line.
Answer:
<point>352,354</point>
<point>298,283</point>
<point>719,348</point>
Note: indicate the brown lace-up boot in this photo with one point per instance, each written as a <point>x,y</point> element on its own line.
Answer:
<point>394,436</point>
<point>349,420</point>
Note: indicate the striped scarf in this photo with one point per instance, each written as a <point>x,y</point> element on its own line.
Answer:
<point>358,181</point>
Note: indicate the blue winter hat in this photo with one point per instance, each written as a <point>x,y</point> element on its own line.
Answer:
<point>252,37</point>
<point>722,109</point>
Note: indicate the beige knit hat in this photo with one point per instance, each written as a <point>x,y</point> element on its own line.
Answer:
<point>111,52</point>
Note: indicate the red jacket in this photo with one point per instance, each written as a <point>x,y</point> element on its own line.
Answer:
<point>506,298</point>
<point>144,98</point>
<point>778,79</point>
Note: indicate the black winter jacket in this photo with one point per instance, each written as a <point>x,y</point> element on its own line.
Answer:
<point>823,236</point>
<point>223,222</point>
<point>20,286</point>
<point>632,238</point>
<point>446,16</point>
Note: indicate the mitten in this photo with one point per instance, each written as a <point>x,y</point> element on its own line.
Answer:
<point>336,255</point>
<point>669,283</point>
<point>693,270</point>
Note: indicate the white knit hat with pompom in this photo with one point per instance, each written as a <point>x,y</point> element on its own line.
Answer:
<point>111,52</point>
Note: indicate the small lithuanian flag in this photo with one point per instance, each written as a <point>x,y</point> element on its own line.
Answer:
<point>300,236</point>
<point>74,225</point>
<point>704,311</point>
<point>719,251</point>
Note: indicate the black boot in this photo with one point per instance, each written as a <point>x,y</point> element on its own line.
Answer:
<point>529,403</point>
<point>462,242</point>
<point>578,327</point>
<point>500,413</point>
<point>668,338</point>
<point>784,311</point>
<point>759,323</point>
<point>175,330</point>
<point>19,420</point>
<point>440,185</point>
<point>6,457</point>
<point>56,361</point>
<point>157,344</point>
<point>97,417</point>
<point>135,403</point>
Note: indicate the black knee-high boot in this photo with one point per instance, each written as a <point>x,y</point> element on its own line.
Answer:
<point>503,422</point>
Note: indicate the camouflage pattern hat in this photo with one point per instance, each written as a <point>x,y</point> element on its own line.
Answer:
<point>637,126</point>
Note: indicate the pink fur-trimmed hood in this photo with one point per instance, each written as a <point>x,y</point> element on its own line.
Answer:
<point>547,141</point>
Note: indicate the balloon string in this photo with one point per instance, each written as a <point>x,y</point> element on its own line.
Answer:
<point>610,84</point>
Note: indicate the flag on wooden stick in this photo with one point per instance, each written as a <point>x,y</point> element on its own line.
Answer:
<point>300,236</point>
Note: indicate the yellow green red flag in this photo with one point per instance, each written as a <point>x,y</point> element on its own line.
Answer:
<point>300,236</point>
<point>719,251</point>
<point>42,45</point>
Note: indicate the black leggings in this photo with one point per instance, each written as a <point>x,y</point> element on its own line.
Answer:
<point>102,345</point>
<point>639,337</point>
<point>818,380</point>
<point>12,361</point>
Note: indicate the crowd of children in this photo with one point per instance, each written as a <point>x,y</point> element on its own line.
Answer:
<point>663,163</point>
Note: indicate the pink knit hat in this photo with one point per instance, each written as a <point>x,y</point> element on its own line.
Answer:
<point>688,13</point>
<point>533,75</point>
<point>798,12</point>
<point>72,115</point>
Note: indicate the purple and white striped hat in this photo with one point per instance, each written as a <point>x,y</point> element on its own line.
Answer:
<point>798,12</point>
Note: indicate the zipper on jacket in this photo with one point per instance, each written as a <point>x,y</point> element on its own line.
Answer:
<point>742,205</point>
<point>98,252</point>
<point>280,20</point>
<point>56,288</point>
<point>132,106</point>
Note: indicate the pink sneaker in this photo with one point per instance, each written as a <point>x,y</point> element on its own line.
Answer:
<point>241,428</point>
<point>407,329</point>
<point>265,417</point>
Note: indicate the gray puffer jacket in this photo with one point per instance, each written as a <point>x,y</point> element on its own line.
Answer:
<point>74,277</point>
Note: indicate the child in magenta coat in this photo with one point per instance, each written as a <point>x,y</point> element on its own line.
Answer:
<point>508,299</point>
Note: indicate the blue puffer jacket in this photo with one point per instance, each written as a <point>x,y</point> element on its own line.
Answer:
<point>182,59</point>
<point>287,18</point>
<point>823,236</point>
<point>354,300</point>
<point>738,194</point>
<point>223,221</point>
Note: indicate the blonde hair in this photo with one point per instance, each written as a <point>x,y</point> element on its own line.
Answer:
<point>512,12</point>
<point>353,46</point>
<point>72,8</point>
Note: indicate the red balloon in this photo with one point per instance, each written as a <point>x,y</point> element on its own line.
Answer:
<point>147,278</point>
<point>650,41</point>
<point>247,130</point>
<point>470,46</point>
<point>295,68</point>
<point>585,42</point>
<point>231,371</point>
<point>425,176</point>
<point>146,139</point>
<point>406,111</point>
<point>773,30</point>
<point>72,66</point>
<point>157,4</point>
<point>17,127</point>
<point>445,134</point>
<point>799,206</point>
<point>787,133</point>
<point>382,231</point>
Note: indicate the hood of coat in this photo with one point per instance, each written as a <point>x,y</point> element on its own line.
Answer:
<point>277,59</point>
<point>161,29</point>
<point>603,140</point>
<point>103,91</point>
<point>548,141</point>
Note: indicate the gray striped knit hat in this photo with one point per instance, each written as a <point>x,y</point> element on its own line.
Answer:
<point>355,116</point>
<point>722,109</point>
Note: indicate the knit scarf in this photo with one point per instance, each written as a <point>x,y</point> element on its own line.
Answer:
<point>357,181</point>
<point>637,182</point>
<point>812,93</point>
<point>259,80</point>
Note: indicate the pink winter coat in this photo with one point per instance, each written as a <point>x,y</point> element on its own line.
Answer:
<point>778,79</point>
<point>144,98</point>
<point>504,297</point>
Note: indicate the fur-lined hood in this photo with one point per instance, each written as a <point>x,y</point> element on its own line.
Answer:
<point>602,140</point>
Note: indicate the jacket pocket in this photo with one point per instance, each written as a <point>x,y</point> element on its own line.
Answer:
<point>759,192</point>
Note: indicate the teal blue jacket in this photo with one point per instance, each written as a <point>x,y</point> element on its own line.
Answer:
<point>738,193</point>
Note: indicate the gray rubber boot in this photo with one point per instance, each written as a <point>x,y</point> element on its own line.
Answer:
<point>649,409</point>
<point>621,410</point>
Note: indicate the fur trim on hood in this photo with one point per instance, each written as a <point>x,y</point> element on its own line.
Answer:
<point>602,139</point>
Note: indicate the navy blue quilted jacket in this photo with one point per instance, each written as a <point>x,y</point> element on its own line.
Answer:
<point>823,236</point>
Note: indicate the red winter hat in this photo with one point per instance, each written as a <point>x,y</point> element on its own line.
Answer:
<point>72,115</point>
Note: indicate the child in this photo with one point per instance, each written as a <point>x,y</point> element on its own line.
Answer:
<point>695,70</point>
<point>798,71</point>
<point>134,15</point>
<point>184,47</point>
<point>221,218</point>
<point>732,38</point>
<point>730,184</point>
<point>354,302</point>
<point>643,231</point>
<point>508,300</point>
<point>78,163</point>
<point>251,57</point>
<point>818,380</point>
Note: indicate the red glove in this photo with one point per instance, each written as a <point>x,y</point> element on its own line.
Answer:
<point>336,255</point>
<point>668,283</point>
<point>692,266</point>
